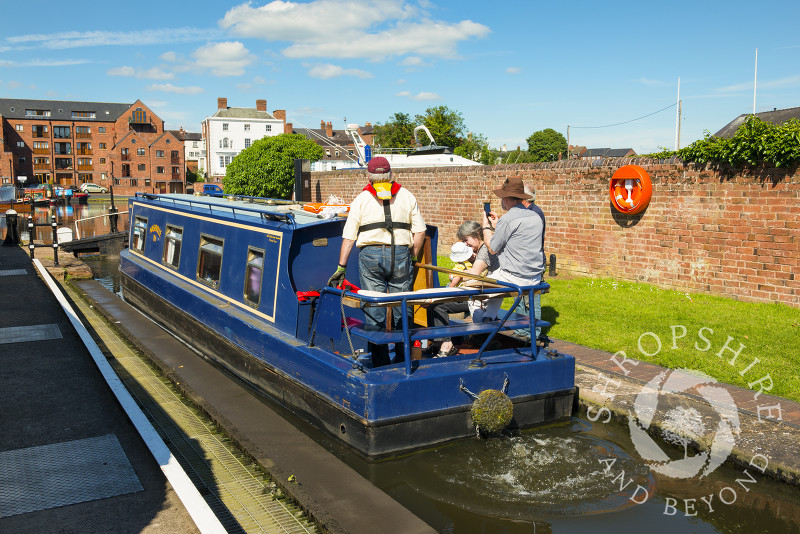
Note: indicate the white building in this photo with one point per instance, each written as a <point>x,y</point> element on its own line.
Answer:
<point>194,150</point>
<point>231,130</point>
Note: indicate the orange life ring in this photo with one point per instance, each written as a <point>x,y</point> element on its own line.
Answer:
<point>317,207</point>
<point>630,189</point>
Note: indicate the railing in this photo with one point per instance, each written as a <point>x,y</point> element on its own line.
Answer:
<point>85,167</point>
<point>41,166</point>
<point>77,230</point>
<point>176,176</point>
<point>83,135</point>
<point>175,161</point>
<point>41,150</point>
<point>126,157</point>
<point>126,174</point>
<point>84,151</point>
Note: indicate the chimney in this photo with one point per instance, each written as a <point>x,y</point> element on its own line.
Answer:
<point>367,124</point>
<point>280,114</point>
<point>288,128</point>
<point>261,105</point>
<point>322,125</point>
<point>329,129</point>
<point>222,103</point>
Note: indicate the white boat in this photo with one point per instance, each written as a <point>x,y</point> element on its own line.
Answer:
<point>431,155</point>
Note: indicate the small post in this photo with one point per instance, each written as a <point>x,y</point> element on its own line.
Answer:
<point>54,226</point>
<point>12,234</point>
<point>552,271</point>
<point>31,246</point>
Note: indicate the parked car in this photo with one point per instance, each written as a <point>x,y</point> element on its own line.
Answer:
<point>213,190</point>
<point>89,187</point>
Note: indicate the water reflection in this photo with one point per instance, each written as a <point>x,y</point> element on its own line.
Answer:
<point>84,220</point>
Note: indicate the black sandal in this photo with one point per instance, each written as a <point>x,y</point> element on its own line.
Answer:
<point>444,354</point>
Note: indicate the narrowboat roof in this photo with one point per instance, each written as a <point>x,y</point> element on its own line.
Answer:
<point>238,207</point>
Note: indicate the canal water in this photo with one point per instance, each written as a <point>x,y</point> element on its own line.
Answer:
<point>572,477</point>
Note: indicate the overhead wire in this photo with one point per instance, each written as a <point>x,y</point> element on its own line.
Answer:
<point>626,122</point>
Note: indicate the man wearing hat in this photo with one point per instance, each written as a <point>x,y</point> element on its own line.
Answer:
<point>384,222</point>
<point>516,238</point>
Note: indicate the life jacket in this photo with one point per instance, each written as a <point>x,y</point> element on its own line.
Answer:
<point>387,224</point>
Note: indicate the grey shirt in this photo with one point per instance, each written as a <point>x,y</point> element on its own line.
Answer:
<point>517,240</point>
<point>489,259</point>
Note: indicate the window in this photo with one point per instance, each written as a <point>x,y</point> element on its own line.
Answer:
<point>142,167</point>
<point>41,145</point>
<point>246,128</point>
<point>175,171</point>
<point>174,154</point>
<point>81,114</point>
<point>172,246</point>
<point>82,131</point>
<point>83,148</point>
<point>159,170</point>
<point>223,143</point>
<point>63,163</point>
<point>102,160</point>
<point>224,126</point>
<point>102,145</point>
<point>253,276</point>
<point>224,161</point>
<point>133,141</point>
<point>20,144</point>
<point>39,130</point>
<point>101,129</point>
<point>61,132</point>
<point>209,261</point>
<point>85,177</point>
<point>247,143</point>
<point>269,127</point>
<point>62,148</point>
<point>139,234</point>
<point>140,151</point>
<point>21,161</point>
<point>147,182</point>
<point>194,144</point>
<point>37,112</point>
<point>159,153</point>
<point>18,128</point>
<point>134,182</point>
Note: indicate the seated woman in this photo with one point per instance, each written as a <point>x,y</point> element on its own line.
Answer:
<point>470,233</point>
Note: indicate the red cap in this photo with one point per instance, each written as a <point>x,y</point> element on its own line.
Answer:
<point>378,165</point>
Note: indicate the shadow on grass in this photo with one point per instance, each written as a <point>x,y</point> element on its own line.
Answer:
<point>550,315</point>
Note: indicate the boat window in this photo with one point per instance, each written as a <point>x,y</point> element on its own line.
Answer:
<point>253,276</point>
<point>209,261</point>
<point>139,234</point>
<point>172,246</point>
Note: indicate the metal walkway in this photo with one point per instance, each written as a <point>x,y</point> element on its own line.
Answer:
<point>239,493</point>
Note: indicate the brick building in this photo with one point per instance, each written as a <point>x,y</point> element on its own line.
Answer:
<point>70,143</point>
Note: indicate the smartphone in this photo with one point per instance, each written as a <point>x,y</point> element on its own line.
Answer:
<point>487,207</point>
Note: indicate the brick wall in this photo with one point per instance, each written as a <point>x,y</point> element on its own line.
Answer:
<point>725,232</point>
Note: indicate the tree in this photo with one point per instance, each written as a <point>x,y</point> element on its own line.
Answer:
<point>546,145</point>
<point>398,132</point>
<point>266,168</point>
<point>476,147</point>
<point>446,125</point>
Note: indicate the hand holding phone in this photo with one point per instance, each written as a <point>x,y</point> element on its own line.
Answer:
<point>487,208</point>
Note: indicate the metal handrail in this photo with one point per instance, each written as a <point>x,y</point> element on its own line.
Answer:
<point>78,233</point>
<point>286,217</point>
<point>506,286</point>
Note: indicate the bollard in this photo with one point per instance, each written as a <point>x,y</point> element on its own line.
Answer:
<point>54,226</point>
<point>113,218</point>
<point>552,271</point>
<point>31,245</point>
<point>12,234</point>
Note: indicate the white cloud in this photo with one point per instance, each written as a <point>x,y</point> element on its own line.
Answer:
<point>513,70</point>
<point>223,59</point>
<point>13,84</point>
<point>74,39</point>
<point>649,81</point>
<point>169,88</point>
<point>43,63</point>
<point>372,29</point>
<point>783,83</point>
<point>419,97</point>
<point>170,56</point>
<point>150,74</point>
<point>412,61</point>
<point>327,71</point>
<point>400,81</point>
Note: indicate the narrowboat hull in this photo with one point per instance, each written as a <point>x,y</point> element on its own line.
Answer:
<point>377,411</point>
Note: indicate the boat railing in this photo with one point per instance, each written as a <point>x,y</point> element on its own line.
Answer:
<point>489,287</point>
<point>233,209</point>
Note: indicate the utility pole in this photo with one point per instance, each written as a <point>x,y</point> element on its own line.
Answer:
<point>569,151</point>
<point>678,119</point>
<point>755,79</point>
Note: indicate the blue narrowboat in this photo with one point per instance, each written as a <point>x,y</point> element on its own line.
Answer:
<point>242,280</point>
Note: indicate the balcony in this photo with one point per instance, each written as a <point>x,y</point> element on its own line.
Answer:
<point>83,135</point>
<point>126,174</point>
<point>126,157</point>
<point>40,135</point>
<point>138,117</point>
<point>85,167</point>
<point>176,176</point>
<point>175,161</point>
<point>41,151</point>
<point>41,166</point>
<point>85,152</point>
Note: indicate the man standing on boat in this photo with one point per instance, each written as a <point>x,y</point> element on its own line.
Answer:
<point>385,224</point>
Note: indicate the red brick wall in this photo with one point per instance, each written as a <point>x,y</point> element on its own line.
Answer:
<point>725,232</point>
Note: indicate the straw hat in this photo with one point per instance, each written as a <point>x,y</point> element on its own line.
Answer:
<point>460,252</point>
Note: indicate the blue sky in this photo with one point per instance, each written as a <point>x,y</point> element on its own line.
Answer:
<point>510,68</point>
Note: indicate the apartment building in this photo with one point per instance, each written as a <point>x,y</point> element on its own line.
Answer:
<point>194,150</point>
<point>70,143</point>
<point>230,130</point>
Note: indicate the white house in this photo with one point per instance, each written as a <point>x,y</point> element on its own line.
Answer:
<point>230,130</point>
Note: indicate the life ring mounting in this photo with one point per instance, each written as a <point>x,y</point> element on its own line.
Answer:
<point>630,189</point>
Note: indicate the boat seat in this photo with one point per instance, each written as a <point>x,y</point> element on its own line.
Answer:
<point>457,293</point>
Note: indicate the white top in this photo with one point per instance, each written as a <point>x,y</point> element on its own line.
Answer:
<point>366,209</point>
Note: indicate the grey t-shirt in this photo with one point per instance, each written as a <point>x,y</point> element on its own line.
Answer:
<point>517,240</point>
<point>489,259</point>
